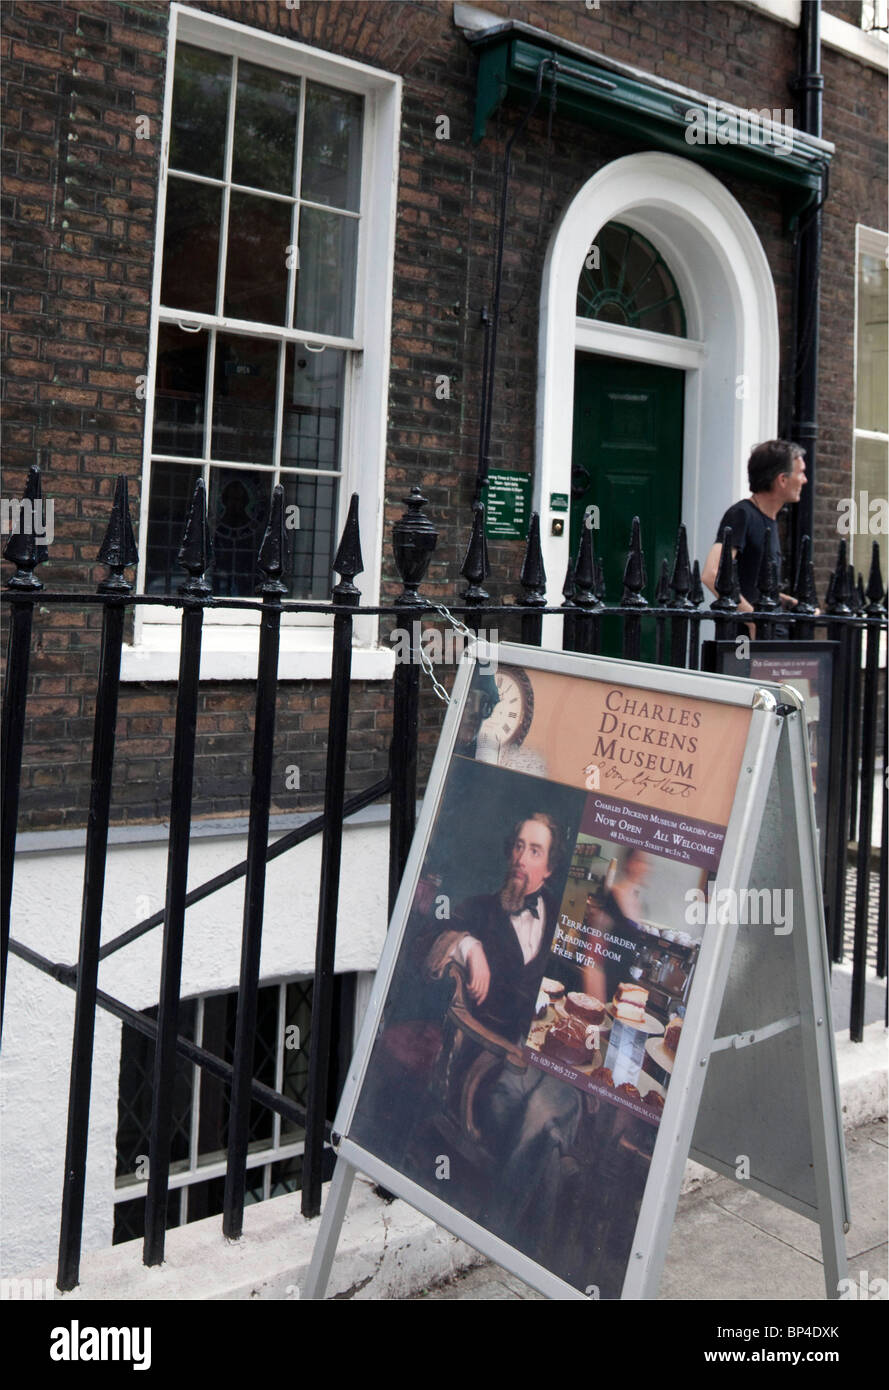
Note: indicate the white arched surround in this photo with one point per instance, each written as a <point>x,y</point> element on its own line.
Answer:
<point>730,356</point>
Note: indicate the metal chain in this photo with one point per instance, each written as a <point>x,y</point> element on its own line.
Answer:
<point>426,661</point>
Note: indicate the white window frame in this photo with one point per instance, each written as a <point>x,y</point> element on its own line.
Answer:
<point>231,638</point>
<point>870,242</point>
<point>867,46</point>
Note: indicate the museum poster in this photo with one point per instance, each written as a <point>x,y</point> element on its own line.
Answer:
<point>810,668</point>
<point>536,1008</point>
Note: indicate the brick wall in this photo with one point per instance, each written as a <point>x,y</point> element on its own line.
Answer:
<point>79,198</point>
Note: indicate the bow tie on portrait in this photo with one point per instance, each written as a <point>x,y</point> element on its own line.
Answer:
<point>531,904</point>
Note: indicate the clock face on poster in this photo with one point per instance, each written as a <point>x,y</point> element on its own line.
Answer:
<point>511,718</point>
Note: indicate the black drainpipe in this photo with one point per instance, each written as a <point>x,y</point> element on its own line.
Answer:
<point>809,86</point>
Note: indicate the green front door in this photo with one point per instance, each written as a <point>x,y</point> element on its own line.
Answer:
<point>627,461</point>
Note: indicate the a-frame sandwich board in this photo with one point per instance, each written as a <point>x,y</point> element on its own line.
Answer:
<point>753,1092</point>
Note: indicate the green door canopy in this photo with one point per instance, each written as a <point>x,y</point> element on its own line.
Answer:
<point>649,111</point>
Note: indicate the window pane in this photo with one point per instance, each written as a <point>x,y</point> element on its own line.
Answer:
<point>325,284</point>
<point>287,1176</point>
<point>179,388</point>
<point>200,108</point>
<point>220,1022</point>
<point>332,147</point>
<point>218,1038</point>
<point>129,1217</point>
<point>873,287</point>
<point>624,280</point>
<point>869,476</point>
<point>266,117</point>
<point>311,553</point>
<point>135,1093</point>
<point>239,512</point>
<point>171,487</point>
<point>256,265</point>
<point>313,408</point>
<point>295,1082</point>
<point>244,392</point>
<point>191,246</point>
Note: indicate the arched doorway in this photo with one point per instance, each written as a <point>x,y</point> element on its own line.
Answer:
<point>626,457</point>
<point>728,356</point>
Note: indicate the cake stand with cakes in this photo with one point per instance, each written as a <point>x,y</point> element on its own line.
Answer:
<point>632,1027</point>
<point>569,1027</point>
<point>662,1050</point>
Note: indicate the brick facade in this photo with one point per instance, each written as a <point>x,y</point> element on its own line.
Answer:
<point>79,198</point>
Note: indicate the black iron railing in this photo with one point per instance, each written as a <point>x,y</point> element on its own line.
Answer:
<point>854,616</point>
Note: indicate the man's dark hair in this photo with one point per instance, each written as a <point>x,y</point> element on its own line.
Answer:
<point>767,460</point>
<point>557,858</point>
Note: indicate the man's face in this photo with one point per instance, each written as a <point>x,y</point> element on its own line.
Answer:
<point>790,485</point>
<point>529,863</point>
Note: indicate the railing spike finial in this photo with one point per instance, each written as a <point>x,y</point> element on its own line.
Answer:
<point>272,552</point>
<point>860,595</point>
<point>348,560</point>
<point>533,575</point>
<point>853,588</point>
<point>829,593</point>
<point>767,583</point>
<point>634,572</point>
<point>875,592</point>
<point>726,577</point>
<point>662,592</point>
<point>585,570</point>
<point>569,586</point>
<point>196,550</point>
<point>414,538</point>
<point>118,549</point>
<point>804,590</point>
<point>696,595</point>
<point>840,593</point>
<point>475,567</point>
<point>600,581</point>
<point>680,578</point>
<point>23,548</point>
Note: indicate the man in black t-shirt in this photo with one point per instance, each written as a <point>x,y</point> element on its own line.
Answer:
<point>777,474</point>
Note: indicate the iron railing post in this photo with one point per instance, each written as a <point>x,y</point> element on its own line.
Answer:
<point>118,552</point>
<point>348,564</point>
<point>680,603</point>
<point>533,581</point>
<point>194,556</point>
<point>837,605</point>
<point>413,539</point>
<point>875,609</point>
<point>865,822</point>
<point>271,564</point>
<point>633,597</point>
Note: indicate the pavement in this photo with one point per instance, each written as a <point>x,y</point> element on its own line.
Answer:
<point>732,1245</point>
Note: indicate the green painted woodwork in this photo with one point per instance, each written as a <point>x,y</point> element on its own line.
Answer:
<point>623,101</point>
<point>627,461</point>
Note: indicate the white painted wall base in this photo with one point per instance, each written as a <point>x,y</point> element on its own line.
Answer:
<point>39,1018</point>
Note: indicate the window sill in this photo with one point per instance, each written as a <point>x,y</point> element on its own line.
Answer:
<point>231,655</point>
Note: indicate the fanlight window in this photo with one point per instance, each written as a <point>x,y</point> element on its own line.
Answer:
<point>624,280</point>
